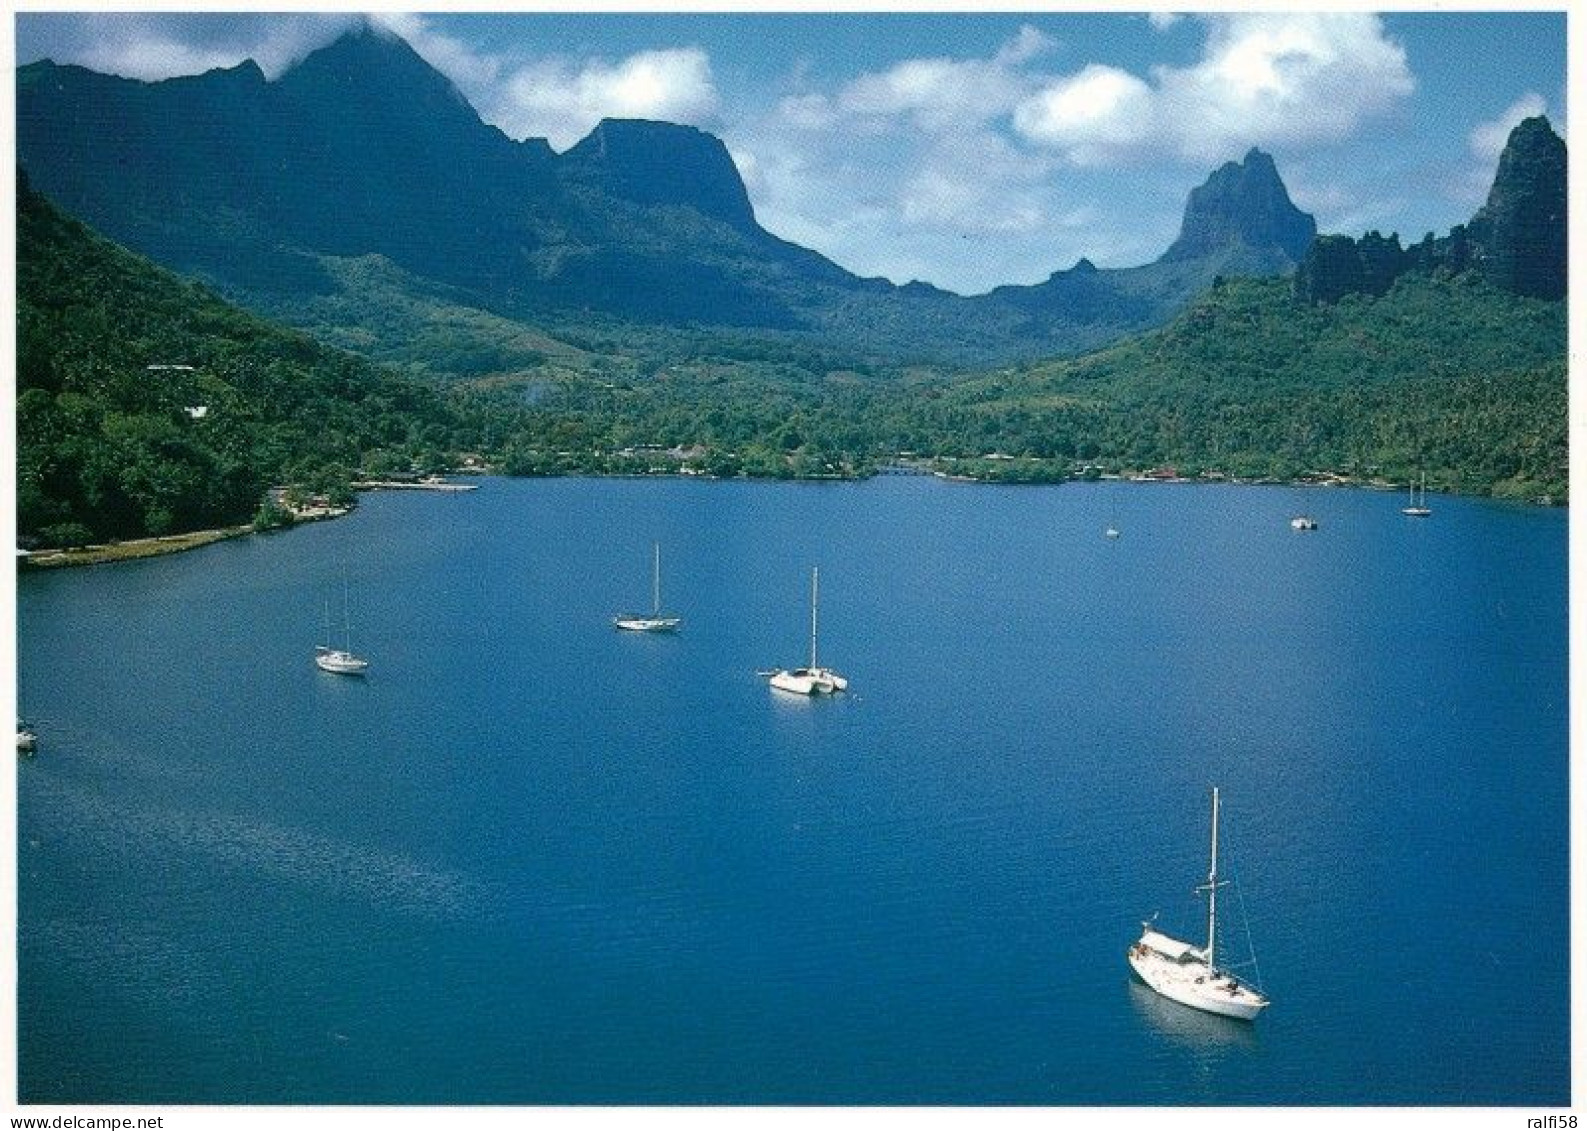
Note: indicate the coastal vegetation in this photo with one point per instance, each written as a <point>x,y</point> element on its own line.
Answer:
<point>1442,375</point>
<point>477,303</point>
<point>147,406</point>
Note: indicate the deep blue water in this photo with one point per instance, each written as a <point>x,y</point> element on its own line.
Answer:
<point>531,859</point>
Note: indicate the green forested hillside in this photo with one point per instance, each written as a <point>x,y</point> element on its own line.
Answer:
<point>1450,376</point>
<point>146,406</point>
<point>1447,376</point>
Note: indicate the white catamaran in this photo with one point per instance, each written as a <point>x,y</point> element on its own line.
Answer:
<point>812,680</point>
<point>1189,974</point>
<point>655,622</point>
<point>340,661</point>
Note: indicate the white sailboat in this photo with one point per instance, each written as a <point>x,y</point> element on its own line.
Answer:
<point>1189,974</point>
<point>1418,510</point>
<point>340,661</point>
<point>814,679</point>
<point>655,622</point>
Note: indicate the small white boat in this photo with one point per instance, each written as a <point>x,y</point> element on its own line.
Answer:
<point>809,681</point>
<point>1303,522</point>
<point>1418,509</point>
<point>655,622</point>
<point>1111,532</point>
<point>814,679</point>
<point>27,740</point>
<point>1189,974</point>
<point>340,661</point>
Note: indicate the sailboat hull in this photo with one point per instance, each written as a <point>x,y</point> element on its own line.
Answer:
<point>1188,980</point>
<point>648,624</point>
<point>339,662</point>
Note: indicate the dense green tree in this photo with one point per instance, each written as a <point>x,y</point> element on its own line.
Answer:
<point>147,406</point>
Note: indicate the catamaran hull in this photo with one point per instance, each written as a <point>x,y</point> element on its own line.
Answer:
<point>802,683</point>
<point>809,681</point>
<point>1191,984</point>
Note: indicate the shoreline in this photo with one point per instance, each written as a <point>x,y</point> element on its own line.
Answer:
<point>136,549</point>
<point>140,548</point>
<point>129,551</point>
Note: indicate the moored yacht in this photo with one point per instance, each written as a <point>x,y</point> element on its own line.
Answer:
<point>1418,508</point>
<point>340,661</point>
<point>1189,974</point>
<point>655,621</point>
<point>814,679</point>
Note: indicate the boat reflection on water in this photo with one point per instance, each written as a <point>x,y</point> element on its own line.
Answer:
<point>1191,1027</point>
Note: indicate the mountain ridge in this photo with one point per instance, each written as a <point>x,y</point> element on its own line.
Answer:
<point>1516,240</point>
<point>363,148</point>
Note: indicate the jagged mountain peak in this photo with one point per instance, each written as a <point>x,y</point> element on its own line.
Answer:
<point>1243,204</point>
<point>368,62</point>
<point>1521,228</point>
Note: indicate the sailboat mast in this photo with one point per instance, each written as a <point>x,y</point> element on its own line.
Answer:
<point>815,601</point>
<point>655,584</point>
<point>1212,888</point>
<point>347,612</point>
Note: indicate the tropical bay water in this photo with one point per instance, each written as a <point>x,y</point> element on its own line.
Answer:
<point>530,859</point>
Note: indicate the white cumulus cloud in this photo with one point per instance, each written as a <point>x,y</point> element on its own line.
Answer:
<point>471,71</point>
<point>563,99</point>
<point>152,46</point>
<point>1090,116</point>
<point>912,169</point>
<point>1487,140</point>
<point>933,94</point>
<point>1263,79</point>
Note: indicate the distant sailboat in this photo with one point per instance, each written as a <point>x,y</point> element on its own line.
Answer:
<point>1421,509</point>
<point>340,661</point>
<point>1189,974</point>
<point>655,622</point>
<point>812,680</point>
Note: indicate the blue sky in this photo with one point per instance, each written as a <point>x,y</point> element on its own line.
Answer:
<point>968,150</point>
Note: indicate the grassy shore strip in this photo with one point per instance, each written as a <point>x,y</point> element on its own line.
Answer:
<point>129,551</point>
